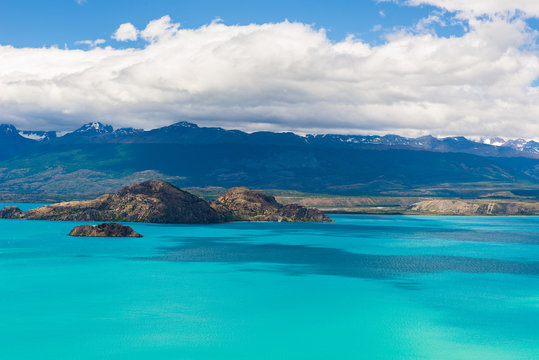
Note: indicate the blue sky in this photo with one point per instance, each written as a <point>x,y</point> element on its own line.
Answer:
<point>412,67</point>
<point>38,23</point>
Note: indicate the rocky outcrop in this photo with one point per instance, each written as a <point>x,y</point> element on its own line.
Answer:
<point>298,213</point>
<point>104,230</point>
<point>242,204</point>
<point>11,212</point>
<point>473,207</point>
<point>153,201</point>
<point>157,201</point>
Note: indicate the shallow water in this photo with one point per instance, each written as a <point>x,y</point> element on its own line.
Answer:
<point>367,287</point>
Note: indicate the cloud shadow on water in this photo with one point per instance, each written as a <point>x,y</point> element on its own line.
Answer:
<point>304,260</point>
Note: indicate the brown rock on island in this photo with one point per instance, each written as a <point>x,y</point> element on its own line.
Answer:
<point>11,212</point>
<point>104,230</point>
<point>153,201</point>
<point>157,201</point>
<point>242,204</point>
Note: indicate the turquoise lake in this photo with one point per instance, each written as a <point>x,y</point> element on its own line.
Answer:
<point>366,287</point>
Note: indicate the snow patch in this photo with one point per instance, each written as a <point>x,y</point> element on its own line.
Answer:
<point>95,127</point>
<point>32,136</point>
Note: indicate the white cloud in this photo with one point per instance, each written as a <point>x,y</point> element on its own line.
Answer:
<point>284,76</point>
<point>126,32</point>
<point>91,43</point>
<point>80,2</point>
<point>160,28</point>
<point>480,7</point>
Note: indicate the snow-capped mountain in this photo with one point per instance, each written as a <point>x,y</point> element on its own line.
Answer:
<point>7,130</point>
<point>185,124</point>
<point>494,141</point>
<point>528,146</point>
<point>127,131</point>
<point>494,146</point>
<point>94,128</point>
<point>87,133</point>
<point>531,147</point>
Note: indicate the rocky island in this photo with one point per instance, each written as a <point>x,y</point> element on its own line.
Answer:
<point>157,201</point>
<point>11,212</point>
<point>104,230</point>
<point>242,204</point>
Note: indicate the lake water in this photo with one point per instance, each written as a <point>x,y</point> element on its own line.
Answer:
<point>366,287</point>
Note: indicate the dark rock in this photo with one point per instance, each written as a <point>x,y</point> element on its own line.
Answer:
<point>298,213</point>
<point>242,204</point>
<point>11,212</point>
<point>104,230</point>
<point>153,201</point>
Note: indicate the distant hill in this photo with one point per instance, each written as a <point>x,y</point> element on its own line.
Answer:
<point>96,158</point>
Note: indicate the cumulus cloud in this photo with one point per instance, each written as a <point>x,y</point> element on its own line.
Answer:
<point>126,32</point>
<point>160,28</point>
<point>91,43</point>
<point>285,76</point>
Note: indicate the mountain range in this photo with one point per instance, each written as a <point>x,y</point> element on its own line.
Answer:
<point>97,158</point>
<point>185,132</point>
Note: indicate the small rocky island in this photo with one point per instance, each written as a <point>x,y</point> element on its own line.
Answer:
<point>104,230</point>
<point>157,201</point>
<point>11,212</point>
